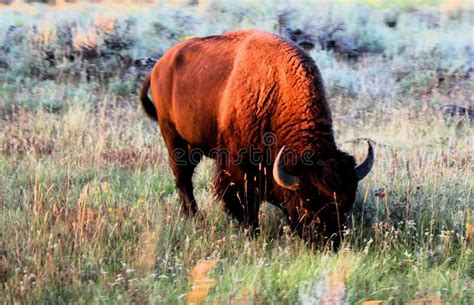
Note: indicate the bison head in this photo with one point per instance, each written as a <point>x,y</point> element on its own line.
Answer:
<point>317,196</point>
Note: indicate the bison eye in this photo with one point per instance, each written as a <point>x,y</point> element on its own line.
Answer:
<point>305,203</point>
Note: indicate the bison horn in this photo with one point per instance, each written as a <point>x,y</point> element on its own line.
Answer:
<point>362,170</point>
<point>281,177</point>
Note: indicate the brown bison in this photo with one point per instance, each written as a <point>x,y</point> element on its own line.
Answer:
<point>255,102</point>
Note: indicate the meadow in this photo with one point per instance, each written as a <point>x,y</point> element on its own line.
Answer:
<point>88,208</point>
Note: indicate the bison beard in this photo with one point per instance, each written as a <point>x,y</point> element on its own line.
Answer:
<point>227,94</point>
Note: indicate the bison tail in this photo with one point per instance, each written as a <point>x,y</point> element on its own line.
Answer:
<point>146,101</point>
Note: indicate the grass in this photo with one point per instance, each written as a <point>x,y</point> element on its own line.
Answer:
<point>88,208</point>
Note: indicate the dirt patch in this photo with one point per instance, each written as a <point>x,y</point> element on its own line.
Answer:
<point>131,158</point>
<point>29,144</point>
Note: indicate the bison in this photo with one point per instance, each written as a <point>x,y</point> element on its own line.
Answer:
<point>255,102</point>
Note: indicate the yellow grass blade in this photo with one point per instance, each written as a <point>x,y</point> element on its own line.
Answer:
<point>200,283</point>
<point>469,226</point>
<point>432,299</point>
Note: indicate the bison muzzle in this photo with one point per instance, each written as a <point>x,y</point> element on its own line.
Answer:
<point>254,102</point>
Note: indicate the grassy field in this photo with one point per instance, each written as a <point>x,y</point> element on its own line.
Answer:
<point>88,208</point>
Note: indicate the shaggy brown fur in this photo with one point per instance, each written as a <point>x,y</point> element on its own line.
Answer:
<point>252,90</point>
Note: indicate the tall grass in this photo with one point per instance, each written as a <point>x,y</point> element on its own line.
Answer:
<point>88,208</point>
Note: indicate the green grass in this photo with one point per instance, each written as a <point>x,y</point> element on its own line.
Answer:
<point>88,208</point>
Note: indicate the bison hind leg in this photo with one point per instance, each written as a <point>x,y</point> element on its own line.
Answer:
<point>184,184</point>
<point>183,165</point>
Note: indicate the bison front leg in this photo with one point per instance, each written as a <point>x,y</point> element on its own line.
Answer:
<point>241,199</point>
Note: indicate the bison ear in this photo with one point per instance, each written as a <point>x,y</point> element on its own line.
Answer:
<point>363,170</point>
